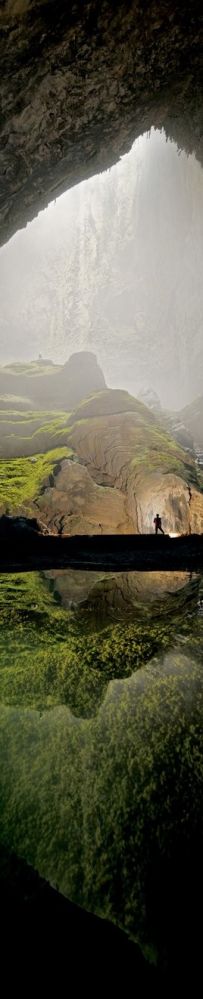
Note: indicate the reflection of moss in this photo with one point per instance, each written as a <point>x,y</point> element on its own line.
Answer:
<point>144,796</point>
<point>109,809</point>
<point>51,656</point>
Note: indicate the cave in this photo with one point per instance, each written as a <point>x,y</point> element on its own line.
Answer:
<point>103,802</point>
<point>80,82</point>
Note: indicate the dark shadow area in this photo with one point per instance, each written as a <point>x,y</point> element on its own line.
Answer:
<point>106,553</point>
<point>59,941</point>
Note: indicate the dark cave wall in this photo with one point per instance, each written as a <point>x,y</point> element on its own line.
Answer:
<point>79,82</point>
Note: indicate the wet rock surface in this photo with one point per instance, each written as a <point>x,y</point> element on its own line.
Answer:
<point>79,84</point>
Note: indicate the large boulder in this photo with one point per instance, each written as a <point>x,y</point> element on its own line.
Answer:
<point>75,504</point>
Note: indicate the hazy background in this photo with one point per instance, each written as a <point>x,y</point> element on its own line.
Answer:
<point>115,266</point>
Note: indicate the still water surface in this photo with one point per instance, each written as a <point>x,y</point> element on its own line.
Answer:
<point>101,721</point>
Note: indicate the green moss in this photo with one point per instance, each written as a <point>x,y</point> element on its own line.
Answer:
<point>108,809</point>
<point>110,402</point>
<point>71,659</point>
<point>155,450</point>
<point>31,369</point>
<point>31,432</point>
<point>101,778</point>
<point>21,480</point>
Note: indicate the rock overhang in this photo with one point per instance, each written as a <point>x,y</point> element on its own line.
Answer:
<point>80,82</point>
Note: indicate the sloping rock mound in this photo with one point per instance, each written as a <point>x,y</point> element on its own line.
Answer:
<point>107,444</point>
<point>130,451</point>
<point>121,466</point>
<point>108,403</point>
<point>128,470</point>
<point>54,386</point>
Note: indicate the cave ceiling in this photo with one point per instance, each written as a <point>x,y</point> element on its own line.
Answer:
<point>80,81</point>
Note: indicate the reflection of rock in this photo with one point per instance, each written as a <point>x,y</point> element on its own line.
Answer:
<point>137,594</point>
<point>115,626</point>
<point>108,594</point>
<point>72,587</point>
<point>111,809</point>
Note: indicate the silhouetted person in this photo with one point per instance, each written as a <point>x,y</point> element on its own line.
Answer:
<point>157,523</point>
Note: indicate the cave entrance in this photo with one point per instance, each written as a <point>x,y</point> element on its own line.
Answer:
<point>112,268</point>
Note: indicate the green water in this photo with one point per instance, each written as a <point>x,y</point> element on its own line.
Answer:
<point>101,721</point>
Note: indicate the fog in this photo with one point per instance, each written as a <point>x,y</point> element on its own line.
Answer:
<point>115,266</point>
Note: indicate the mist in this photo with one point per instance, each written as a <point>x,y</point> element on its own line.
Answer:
<point>114,266</point>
